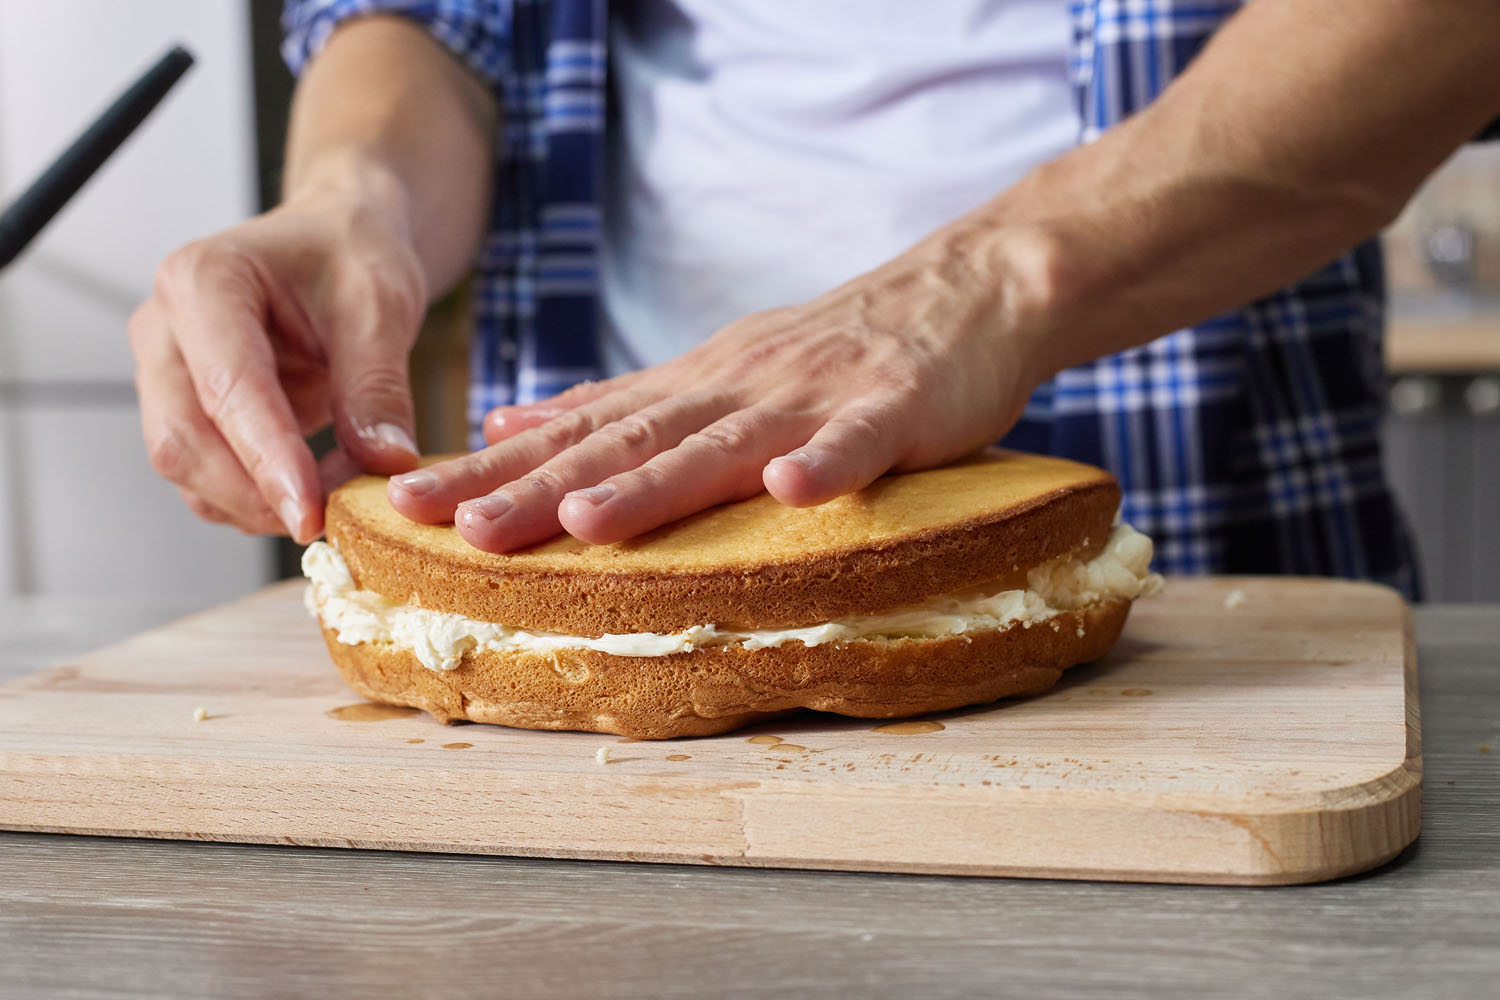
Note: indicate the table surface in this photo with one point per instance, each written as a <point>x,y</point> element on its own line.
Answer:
<point>95,917</point>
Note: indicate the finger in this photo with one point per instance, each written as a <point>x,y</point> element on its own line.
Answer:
<point>189,451</point>
<point>859,445</point>
<point>184,447</point>
<point>202,508</point>
<point>335,469</point>
<point>369,381</point>
<point>431,494</point>
<point>215,307</point>
<point>305,382</point>
<point>720,463</point>
<point>507,421</point>
<point>264,524</point>
<point>525,511</point>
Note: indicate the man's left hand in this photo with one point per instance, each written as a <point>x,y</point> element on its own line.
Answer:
<point>906,367</point>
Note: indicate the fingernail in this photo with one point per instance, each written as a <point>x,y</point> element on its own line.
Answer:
<point>417,483</point>
<point>595,495</point>
<point>389,436</point>
<point>487,508</point>
<point>799,457</point>
<point>291,515</point>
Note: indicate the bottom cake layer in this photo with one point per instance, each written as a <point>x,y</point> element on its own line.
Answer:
<point>717,689</point>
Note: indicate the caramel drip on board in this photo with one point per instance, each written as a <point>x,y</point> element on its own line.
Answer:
<point>369,711</point>
<point>909,728</point>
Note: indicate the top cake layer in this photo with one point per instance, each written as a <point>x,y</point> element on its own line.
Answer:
<point>752,564</point>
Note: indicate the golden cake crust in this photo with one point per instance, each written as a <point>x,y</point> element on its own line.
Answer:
<point>748,565</point>
<point>716,689</point>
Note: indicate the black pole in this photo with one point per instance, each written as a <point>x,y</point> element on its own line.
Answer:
<point>70,171</point>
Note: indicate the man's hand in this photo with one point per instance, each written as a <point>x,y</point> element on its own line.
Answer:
<point>909,366</point>
<point>263,334</point>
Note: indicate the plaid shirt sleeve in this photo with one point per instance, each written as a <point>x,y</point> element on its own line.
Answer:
<point>477,31</point>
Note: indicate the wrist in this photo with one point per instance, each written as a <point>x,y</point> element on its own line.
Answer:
<point>1087,264</point>
<point>355,182</point>
<point>1026,282</point>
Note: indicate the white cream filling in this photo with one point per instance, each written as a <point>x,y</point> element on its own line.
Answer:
<point>440,639</point>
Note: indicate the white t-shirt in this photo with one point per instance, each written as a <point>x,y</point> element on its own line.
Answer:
<point>766,151</point>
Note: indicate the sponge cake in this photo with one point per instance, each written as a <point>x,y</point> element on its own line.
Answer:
<point>925,591</point>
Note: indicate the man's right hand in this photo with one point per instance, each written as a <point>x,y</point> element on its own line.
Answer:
<point>305,316</point>
<point>260,335</point>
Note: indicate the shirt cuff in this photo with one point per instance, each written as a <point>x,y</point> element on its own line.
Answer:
<point>475,31</point>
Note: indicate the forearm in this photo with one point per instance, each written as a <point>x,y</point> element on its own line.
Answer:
<point>384,115</point>
<point>1299,131</point>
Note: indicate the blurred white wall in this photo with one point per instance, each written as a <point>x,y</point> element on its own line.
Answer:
<point>81,512</point>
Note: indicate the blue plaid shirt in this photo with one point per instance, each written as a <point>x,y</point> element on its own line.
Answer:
<point>1246,444</point>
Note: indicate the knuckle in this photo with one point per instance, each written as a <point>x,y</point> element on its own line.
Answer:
<point>186,265</point>
<point>581,390</point>
<point>833,354</point>
<point>257,464</point>
<point>206,510</point>
<point>218,390</point>
<point>173,269</point>
<point>393,294</point>
<point>381,381</point>
<point>729,437</point>
<point>769,350</point>
<point>565,430</point>
<point>648,480</point>
<point>169,453</point>
<point>868,428</point>
<point>546,480</point>
<point>634,433</point>
<point>903,380</point>
<point>383,288</point>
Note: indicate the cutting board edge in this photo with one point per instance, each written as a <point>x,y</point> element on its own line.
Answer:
<point>775,823</point>
<point>1157,876</point>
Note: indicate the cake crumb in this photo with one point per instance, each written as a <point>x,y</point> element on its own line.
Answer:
<point>601,756</point>
<point>200,713</point>
<point>1236,599</point>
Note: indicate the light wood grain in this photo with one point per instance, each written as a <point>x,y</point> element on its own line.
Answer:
<point>1274,743</point>
<point>91,917</point>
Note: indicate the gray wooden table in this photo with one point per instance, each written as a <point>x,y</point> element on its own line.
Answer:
<point>91,917</point>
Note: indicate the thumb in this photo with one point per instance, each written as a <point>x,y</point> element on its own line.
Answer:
<point>372,408</point>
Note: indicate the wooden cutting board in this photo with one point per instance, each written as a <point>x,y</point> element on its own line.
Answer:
<point>1276,741</point>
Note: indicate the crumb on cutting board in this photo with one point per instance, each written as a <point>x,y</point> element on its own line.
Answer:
<point>601,756</point>
<point>1236,599</point>
<point>200,713</point>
